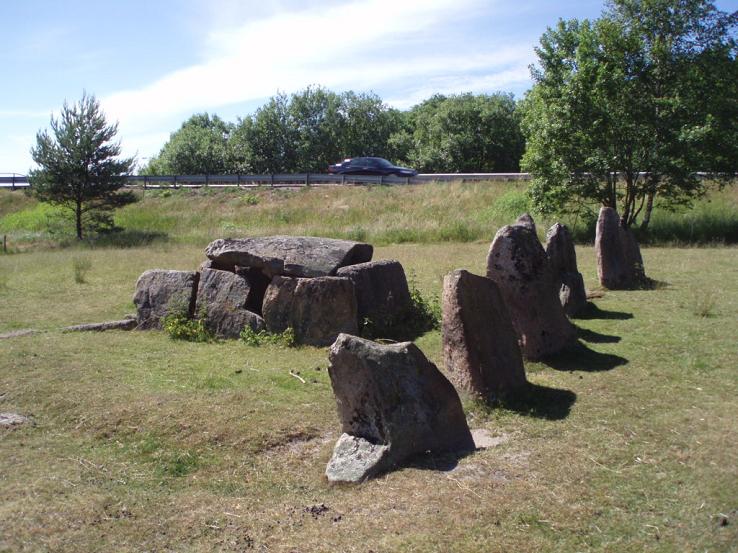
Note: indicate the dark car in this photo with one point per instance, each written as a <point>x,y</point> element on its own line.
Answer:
<point>370,166</point>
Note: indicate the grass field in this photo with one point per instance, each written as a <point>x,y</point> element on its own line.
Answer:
<point>429,213</point>
<point>143,443</point>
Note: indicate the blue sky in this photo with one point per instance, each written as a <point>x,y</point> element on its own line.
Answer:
<point>153,63</point>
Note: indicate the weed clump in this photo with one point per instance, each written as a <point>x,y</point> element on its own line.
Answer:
<point>80,268</point>
<point>284,339</point>
<point>181,327</point>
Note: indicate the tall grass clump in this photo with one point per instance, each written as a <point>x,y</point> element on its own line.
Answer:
<point>708,221</point>
<point>80,267</point>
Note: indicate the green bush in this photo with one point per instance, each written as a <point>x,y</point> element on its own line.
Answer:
<point>181,327</point>
<point>80,267</point>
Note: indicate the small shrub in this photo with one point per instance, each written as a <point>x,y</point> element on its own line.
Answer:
<point>80,268</point>
<point>250,199</point>
<point>284,339</point>
<point>181,327</point>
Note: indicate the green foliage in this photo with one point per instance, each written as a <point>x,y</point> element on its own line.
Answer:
<point>510,205</point>
<point>180,327</point>
<point>79,168</point>
<point>199,147</point>
<point>80,268</point>
<point>630,106</point>
<point>255,338</point>
<point>466,134</point>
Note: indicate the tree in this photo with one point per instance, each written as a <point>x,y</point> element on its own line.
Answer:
<point>631,106</point>
<point>466,133</point>
<point>199,147</point>
<point>79,168</point>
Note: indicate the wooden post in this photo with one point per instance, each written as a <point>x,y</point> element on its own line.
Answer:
<point>12,187</point>
<point>5,243</point>
<point>271,180</point>
<point>238,180</point>
<point>307,179</point>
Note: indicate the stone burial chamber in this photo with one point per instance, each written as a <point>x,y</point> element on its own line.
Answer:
<point>319,287</point>
<point>393,404</point>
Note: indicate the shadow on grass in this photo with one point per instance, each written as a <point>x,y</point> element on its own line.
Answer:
<point>594,312</point>
<point>579,357</point>
<point>445,461</point>
<point>595,337</point>
<point>540,402</point>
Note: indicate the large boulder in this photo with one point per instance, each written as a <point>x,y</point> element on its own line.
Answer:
<point>619,261</point>
<point>297,256</point>
<point>393,404</point>
<point>381,287</point>
<point>563,259</point>
<point>222,299</point>
<point>317,309</point>
<point>160,292</point>
<point>518,264</point>
<point>480,347</point>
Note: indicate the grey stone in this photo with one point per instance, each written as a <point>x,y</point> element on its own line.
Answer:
<point>393,404</point>
<point>124,324</point>
<point>480,347</point>
<point>317,309</point>
<point>381,287</point>
<point>18,333</point>
<point>563,259</point>
<point>222,298</point>
<point>518,264</point>
<point>160,292</point>
<point>619,261</point>
<point>526,220</point>
<point>8,420</point>
<point>298,256</point>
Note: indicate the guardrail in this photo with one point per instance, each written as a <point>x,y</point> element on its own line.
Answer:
<point>282,180</point>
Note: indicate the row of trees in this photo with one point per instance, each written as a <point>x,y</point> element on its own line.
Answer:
<point>308,130</point>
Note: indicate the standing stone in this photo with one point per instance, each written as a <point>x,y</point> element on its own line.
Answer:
<point>222,298</point>
<point>160,292</point>
<point>563,259</point>
<point>480,347</point>
<point>381,287</point>
<point>526,220</point>
<point>518,264</point>
<point>318,309</point>
<point>298,256</point>
<point>393,404</point>
<point>619,261</point>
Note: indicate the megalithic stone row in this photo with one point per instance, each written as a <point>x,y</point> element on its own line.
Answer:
<point>393,404</point>
<point>480,347</point>
<point>160,292</point>
<point>317,309</point>
<point>518,264</point>
<point>619,261</point>
<point>222,299</point>
<point>563,259</point>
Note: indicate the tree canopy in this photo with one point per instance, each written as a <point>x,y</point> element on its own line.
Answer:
<point>79,168</point>
<point>631,106</point>
<point>308,130</point>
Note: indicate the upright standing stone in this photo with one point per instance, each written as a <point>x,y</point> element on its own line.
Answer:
<point>563,258</point>
<point>222,298</point>
<point>480,347</point>
<point>518,264</point>
<point>159,293</point>
<point>317,309</point>
<point>619,261</point>
<point>393,404</point>
<point>381,288</point>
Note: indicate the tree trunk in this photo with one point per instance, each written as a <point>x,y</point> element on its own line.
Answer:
<point>647,213</point>
<point>78,217</point>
